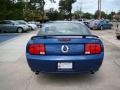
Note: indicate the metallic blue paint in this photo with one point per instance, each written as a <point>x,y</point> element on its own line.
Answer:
<point>81,62</point>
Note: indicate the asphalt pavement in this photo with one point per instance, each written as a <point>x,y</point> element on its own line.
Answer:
<point>16,75</point>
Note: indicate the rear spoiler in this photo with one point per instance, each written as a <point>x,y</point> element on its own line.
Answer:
<point>46,36</point>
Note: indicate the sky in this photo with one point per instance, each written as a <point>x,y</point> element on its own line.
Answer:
<point>89,5</point>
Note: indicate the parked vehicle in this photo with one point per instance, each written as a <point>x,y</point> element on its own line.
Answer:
<point>38,24</point>
<point>118,32</point>
<point>32,26</point>
<point>87,22</point>
<point>81,20</point>
<point>100,24</point>
<point>64,47</point>
<point>12,26</point>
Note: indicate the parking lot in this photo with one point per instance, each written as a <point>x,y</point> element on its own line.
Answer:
<point>16,75</point>
<point>5,37</point>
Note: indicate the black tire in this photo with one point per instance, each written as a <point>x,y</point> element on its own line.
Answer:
<point>92,72</point>
<point>37,73</point>
<point>118,37</point>
<point>110,27</point>
<point>20,30</point>
<point>91,28</point>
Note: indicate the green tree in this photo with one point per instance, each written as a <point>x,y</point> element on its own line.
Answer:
<point>77,14</point>
<point>55,15</point>
<point>11,10</point>
<point>118,12</point>
<point>87,15</point>
<point>37,6</point>
<point>65,7</point>
<point>103,15</point>
<point>109,16</point>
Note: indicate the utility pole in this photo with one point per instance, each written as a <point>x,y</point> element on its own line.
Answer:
<point>98,5</point>
<point>81,10</point>
<point>99,9</point>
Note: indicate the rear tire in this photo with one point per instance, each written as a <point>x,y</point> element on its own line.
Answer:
<point>92,72</point>
<point>20,30</point>
<point>37,73</point>
<point>110,28</point>
<point>118,37</point>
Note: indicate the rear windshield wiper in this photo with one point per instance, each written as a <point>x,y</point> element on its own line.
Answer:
<point>47,36</point>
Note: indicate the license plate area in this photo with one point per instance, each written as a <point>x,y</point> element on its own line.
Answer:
<point>64,65</point>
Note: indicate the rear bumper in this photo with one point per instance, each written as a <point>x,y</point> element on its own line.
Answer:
<point>81,64</point>
<point>93,27</point>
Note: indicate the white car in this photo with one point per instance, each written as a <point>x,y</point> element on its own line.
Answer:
<point>38,24</point>
<point>32,26</point>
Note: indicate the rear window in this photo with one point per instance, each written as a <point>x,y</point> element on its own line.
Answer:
<point>64,29</point>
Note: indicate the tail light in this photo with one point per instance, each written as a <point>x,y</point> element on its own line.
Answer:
<point>36,49</point>
<point>93,48</point>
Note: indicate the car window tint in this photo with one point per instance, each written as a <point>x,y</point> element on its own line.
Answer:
<point>21,23</point>
<point>104,22</point>
<point>7,22</point>
<point>64,29</point>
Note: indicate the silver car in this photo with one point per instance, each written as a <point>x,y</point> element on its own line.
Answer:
<point>12,26</point>
<point>118,31</point>
<point>31,26</point>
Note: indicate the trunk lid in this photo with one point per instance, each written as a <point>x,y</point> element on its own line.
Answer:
<point>64,45</point>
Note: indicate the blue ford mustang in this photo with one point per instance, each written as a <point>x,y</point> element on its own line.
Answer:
<point>64,47</point>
